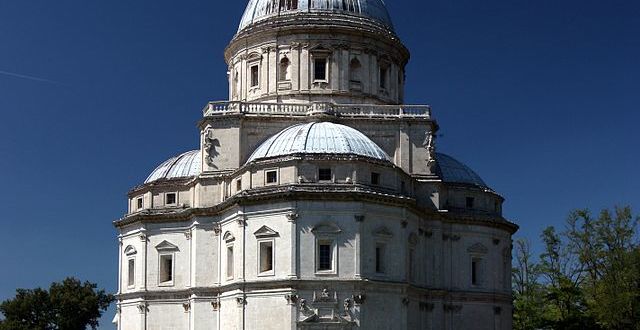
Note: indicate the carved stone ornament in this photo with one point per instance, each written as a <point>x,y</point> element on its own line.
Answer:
<point>142,307</point>
<point>430,145</point>
<point>497,310</point>
<point>187,234</point>
<point>452,308</point>
<point>292,217</point>
<point>215,305</point>
<point>405,301</point>
<point>187,307</point>
<point>210,144</point>
<point>347,303</point>
<point>291,298</point>
<point>143,237</point>
<point>217,229</point>
<point>359,218</point>
<point>425,306</point>
<point>241,301</point>
<point>358,299</point>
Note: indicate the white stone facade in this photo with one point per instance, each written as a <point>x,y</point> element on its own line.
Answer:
<point>315,236</point>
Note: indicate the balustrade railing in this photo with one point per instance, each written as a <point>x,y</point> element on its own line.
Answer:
<point>296,109</point>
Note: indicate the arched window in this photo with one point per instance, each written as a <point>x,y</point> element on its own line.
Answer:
<point>355,70</point>
<point>288,5</point>
<point>285,69</point>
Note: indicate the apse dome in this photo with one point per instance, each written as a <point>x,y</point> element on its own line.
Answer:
<point>258,10</point>
<point>318,138</point>
<point>188,164</point>
<point>450,170</point>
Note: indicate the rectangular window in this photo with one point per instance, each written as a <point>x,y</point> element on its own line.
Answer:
<point>166,268</point>
<point>131,279</point>
<point>272,176</point>
<point>324,174</point>
<point>325,256</point>
<point>255,75</point>
<point>469,202</point>
<point>170,199</point>
<point>230,261</point>
<point>383,78</point>
<point>320,69</point>
<point>238,184</point>
<point>139,202</point>
<point>375,178</point>
<point>380,258</point>
<point>266,256</point>
<point>474,271</point>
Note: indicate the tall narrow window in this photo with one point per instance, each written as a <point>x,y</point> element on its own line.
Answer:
<point>411,268</point>
<point>320,69</point>
<point>238,184</point>
<point>475,268</point>
<point>266,257</point>
<point>140,203</point>
<point>325,256</point>
<point>131,278</point>
<point>285,65</point>
<point>355,69</point>
<point>166,268</point>
<point>230,261</point>
<point>383,77</point>
<point>255,76</point>
<point>379,258</point>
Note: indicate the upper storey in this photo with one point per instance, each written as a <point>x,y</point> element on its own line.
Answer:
<point>258,10</point>
<point>301,51</point>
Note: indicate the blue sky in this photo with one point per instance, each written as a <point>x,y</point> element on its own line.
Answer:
<point>539,97</point>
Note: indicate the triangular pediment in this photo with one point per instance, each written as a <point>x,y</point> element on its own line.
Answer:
<point>166,246</point>
<point>265,231</point>
<point>478,248</point>
<point>383,232</point>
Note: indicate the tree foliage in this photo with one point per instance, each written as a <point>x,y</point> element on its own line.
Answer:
<point>68,305</point>
<point>587,277</point>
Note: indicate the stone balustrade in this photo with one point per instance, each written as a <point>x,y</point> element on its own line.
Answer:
<point>316,108</point>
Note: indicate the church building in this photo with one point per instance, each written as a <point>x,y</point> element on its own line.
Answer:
<point>316,198</point>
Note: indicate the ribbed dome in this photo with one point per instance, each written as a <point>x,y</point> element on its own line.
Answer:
<point>453,171</point>
<point>318,138</point>
<point>258,10</point>
<point>185,165</point>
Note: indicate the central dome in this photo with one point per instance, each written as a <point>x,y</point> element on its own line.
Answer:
<point>318,138</point>
<point>258,10</point>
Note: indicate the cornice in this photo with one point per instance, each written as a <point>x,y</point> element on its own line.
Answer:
<point>363,285</point>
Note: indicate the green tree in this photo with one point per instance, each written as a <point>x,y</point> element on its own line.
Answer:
<point>527,292</point>
<point>606,247</point>
<point>68,305</point>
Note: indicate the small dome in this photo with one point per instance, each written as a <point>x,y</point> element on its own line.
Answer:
<point>453,171</point>
<point>185,165</point>
<point>258,10</point>
<point>318,138</point>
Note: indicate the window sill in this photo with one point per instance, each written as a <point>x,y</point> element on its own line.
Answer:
<point>328,273</point>
<point>267,274</point>
<point>166,284</point>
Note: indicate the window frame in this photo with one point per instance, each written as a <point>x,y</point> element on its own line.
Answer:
<point>260,242</point>
<point>239,184</point>
<point>252,65</point>
<point>166,197</point>
<point>476,271</point>
<point>266,176</point>
<point>333,253</point>
<point>469,202</point>
<point>171,282</point>
<point>131,280</point>
<point>230,262</point>
<point>139,203</point>
<point>380,258</point>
